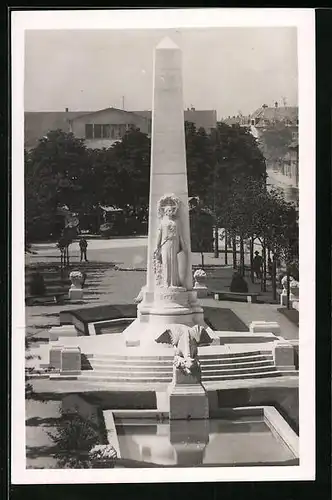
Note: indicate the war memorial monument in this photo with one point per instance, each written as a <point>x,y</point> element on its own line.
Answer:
<point>168,367</point>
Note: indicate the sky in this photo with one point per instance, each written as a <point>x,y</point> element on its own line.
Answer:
<point>226,69</point>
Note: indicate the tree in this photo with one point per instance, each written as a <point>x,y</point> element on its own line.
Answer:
<point>275,141</point>
<point>74,437</point>
<point>201,228</point>
<point>131,163</point>
<point>235,155</point>
<point>57,172</point>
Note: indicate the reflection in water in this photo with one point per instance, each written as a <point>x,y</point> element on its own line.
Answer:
<point>202,442</point>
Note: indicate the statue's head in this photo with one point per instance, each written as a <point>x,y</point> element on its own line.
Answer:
<point>169,205</point>
<point>170,211</point>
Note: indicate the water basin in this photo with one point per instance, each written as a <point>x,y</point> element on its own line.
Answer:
<point>247,440</point>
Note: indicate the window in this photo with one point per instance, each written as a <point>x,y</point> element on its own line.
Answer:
<point>106,130</point>
<point>88,131</point>
<point>97,131</point>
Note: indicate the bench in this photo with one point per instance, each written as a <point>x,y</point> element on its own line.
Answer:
<point>57,298</point>
<point>250,296</point>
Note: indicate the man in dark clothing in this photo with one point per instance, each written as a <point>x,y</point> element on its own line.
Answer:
<point>238,284</point>
<point>257,265</point>
<point>83,247</point>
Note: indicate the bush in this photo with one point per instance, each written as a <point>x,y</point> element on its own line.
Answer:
<point>37,284</point>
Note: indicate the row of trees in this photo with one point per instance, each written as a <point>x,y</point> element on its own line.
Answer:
<point>254,213</point>
<point>61,170</point>
<point>226,171</point>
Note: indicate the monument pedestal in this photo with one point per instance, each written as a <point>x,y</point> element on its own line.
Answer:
<point>161,308</point>
<point>187,397</point>
<point>75,293</point>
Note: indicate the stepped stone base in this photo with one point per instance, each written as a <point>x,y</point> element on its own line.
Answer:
<point>161,308</point>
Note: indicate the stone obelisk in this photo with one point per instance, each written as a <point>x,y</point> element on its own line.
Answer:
<point>165,304</point>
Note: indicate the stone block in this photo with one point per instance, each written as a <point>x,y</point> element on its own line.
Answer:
<point>55,357</point>
<point>179,377</point>
<point>70,360</point>
<point>75,293</point>
<point>188,402</point>
<point>284,356</point>
<point>283,299</point>
<point>202,291</point>
<point>264,327</point>
<point>62,331</point>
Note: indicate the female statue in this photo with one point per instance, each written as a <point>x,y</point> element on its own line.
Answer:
<point>170,241</point>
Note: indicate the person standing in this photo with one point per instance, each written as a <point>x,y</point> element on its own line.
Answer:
<point>257,265</point>
<point>83,248</point>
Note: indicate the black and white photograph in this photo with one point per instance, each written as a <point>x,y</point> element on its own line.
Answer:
<point>163,239</point>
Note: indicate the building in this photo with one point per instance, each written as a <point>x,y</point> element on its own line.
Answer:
<point>283,161</point>
<point>206,119</point>
<point>38,123</point>
<point>102,128</point>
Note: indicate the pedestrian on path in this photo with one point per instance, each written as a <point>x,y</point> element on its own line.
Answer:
<point>83,248</point>
<point>257,265</point>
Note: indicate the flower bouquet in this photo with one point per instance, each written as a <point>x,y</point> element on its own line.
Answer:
<point>76,278</point>
<point>199,277</point>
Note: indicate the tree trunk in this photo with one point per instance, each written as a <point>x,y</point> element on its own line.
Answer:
<point>241,257</point>
<point>264,266</point>
<point>252,275</point>
<point>288,287</point>
<point>234,253</point>
<point>202,261</point>
<point>216,242</point>
<point>226,252</point>
<point>274,278</point>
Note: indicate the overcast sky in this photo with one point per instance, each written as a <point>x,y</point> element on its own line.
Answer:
<point>227,69</point>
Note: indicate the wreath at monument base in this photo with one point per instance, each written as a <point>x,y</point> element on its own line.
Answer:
<point>187,365</point>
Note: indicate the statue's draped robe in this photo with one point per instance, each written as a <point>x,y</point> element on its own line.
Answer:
<point>169,242</point>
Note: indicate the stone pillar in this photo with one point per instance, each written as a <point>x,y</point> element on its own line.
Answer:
<point>168,151</point>
<point>284,356</point>
<point>187,398</point>
<point>70,361</point>
<point>167,304</point>
<point>55,357</point>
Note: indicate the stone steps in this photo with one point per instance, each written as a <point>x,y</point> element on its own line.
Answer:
<point>91,376</point>
<point>160,368</point>
<point>157,358</point>
<point>206,374</point>
<point>162,362</point>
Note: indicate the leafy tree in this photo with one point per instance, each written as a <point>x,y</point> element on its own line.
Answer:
<point>74,437</point>
<point>56,173</point>
<point>200,159</point>
<point>275,141</point>
<point>131,165</point>
<point>201,229</point>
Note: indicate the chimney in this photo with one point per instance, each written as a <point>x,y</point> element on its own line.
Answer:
<point>66,110</point>
<point>276,104</point>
